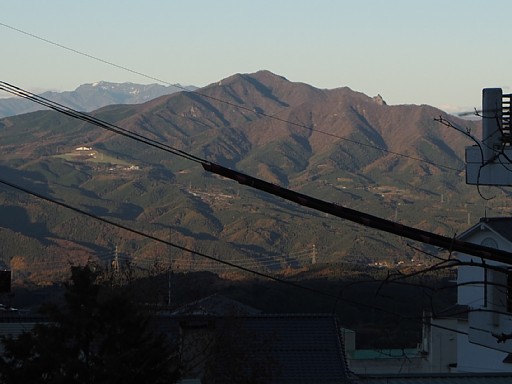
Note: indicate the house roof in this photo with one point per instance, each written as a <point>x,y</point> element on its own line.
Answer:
<point>306,348</point>
<point>216,305</point>
<point>500,225</point>
<point>287,348</point>
<point>14,322</point>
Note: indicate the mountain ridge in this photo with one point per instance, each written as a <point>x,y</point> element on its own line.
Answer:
<point>339,145</point>
<point>90,96</point>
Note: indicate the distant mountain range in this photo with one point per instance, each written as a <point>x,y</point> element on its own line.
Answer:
<point>88,97</point>
<point>339,145</point>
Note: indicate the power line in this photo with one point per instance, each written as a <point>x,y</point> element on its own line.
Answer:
<point>223,262</point>
<point>157,239</point>
<point>319,205</point>
<point>203,255</point>
<point>196,159</point>
<point>209,257</point>
<point>89,56</point>
<point>12,89</point>
<point>235,105</point>
<point>450,244</point>
<point>96,121</point>
<point>172,244</point>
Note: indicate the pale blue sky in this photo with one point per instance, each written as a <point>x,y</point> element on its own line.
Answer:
<point>436,52</point>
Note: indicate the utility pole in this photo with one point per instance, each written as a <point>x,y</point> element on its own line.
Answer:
<point>489,162</point>
<point>116,267</point>
<point>169,271</point>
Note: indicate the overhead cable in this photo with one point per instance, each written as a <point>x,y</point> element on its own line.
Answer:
<point>4,86</point>
<point>157,239</point>
<point>305,200</point>
<point>256,111</point>
<point>448,243</point>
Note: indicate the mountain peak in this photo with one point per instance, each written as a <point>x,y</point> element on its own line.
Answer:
<point>338,145</point>
<point>379,100</point>
<point>263,76</point>
<point>90,96</point>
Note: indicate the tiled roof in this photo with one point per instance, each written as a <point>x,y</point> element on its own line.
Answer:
<point>304,348</point>
<point>290,348</point>
<point>216,305</point>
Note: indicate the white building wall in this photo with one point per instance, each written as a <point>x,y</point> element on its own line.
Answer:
<point>470,286</point>
<point>476,358</point>
<point>441,345</point>
<point>485,301</point>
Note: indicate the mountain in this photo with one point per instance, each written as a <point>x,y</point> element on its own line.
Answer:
<point>395,162</point>
<point>88,97</point>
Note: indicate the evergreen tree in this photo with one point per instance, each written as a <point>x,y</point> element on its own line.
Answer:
<point>97,336</point>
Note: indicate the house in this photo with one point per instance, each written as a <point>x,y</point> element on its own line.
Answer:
<point>216,305</point>
<point>386,361</point>
<point>268,348</point>
<point>435,354</point>
<point>475,337</point>
<point>439,341</point>
<point>484,339</point>
<point>255,347</point>
<point>14,322</point>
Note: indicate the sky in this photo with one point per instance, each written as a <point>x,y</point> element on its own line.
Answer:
<point>436,52</point>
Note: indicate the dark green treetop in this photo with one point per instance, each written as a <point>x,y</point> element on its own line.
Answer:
<point>97,336</point>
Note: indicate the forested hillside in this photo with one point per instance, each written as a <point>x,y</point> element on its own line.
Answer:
<point>395,162</point>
